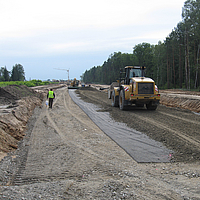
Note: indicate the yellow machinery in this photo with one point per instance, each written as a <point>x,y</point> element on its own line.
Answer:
<point>74,84</point>
<point>135,89</point>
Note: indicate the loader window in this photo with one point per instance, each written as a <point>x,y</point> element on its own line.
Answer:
<point>126,81</point>
<point>135,73</point>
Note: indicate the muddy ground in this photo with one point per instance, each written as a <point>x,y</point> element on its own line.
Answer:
<point>64,155</point>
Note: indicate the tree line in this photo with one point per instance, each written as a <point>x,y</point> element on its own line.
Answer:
<point>16,74</point>
<point>173,63</point>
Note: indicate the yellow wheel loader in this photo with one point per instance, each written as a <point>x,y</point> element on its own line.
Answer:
<point>135,88</point>
<point>74,84</point>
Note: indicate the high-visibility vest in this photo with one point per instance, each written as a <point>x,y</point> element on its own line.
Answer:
<point>51,94</point>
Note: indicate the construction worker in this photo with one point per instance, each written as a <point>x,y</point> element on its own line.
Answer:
<point>51,96</point>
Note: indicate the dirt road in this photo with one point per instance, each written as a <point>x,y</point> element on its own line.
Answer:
<point>178,129</point>
<point>66,156</point>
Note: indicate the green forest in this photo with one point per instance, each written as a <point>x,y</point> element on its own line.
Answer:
<point>17,73</point>
<point>17,77</point>
<point>173,63</point>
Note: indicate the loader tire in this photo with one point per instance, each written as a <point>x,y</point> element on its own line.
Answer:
<point>122,100</point>
<point>150,106</point>
<point>141,105</point>
<point>109,94</point>
<point>115,100</point>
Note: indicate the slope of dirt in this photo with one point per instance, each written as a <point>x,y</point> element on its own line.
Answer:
<point>16,105</point>
<point>181,99</point>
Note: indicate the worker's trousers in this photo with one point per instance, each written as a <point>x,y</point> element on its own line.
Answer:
<point>50,102</point>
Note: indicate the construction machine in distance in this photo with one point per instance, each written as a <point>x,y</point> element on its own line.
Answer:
<point>135,88</point>
<point>74,84</point>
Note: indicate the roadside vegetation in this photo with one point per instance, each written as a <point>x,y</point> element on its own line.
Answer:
<point>173,63</point>
<point>31,83</point>
<point>17,77</point>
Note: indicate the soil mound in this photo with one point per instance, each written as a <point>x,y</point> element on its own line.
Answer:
<point>16,106</point>
<point>181,99</point>
<point>11,93</point>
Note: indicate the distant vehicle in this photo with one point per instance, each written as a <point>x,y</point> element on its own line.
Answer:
<point>74,84</point>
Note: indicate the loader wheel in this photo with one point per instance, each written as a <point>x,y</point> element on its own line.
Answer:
<point>115,100</point>
<point>150,106</point>
<point>141,105</point>
<point>109,94</point>
<point>122,100</point>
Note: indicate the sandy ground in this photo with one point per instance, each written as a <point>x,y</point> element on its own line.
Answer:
<point>64,155</point>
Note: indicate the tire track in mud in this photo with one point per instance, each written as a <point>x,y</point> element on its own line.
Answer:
<point>28,172</point>
<point>160,121</point>
<point>76,115</point>
<point>180,134</point>
<point>38,165</point>
<point>92,126</point>
<point>18,178</point>
<point>181,118</point>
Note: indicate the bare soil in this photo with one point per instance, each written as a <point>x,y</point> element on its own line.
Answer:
<point>64,155</point>
<point>16,105</point>
<point>178,129</point>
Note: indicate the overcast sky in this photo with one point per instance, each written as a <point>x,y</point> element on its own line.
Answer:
<point>77,35</point>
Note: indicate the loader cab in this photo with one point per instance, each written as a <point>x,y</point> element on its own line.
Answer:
<point>133,71</point>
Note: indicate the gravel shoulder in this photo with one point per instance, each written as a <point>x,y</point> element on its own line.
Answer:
<point>64,155</point>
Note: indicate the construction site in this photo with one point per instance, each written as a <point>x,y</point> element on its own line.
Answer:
<point>85,148</point>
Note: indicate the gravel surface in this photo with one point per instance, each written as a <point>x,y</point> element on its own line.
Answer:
<point>64,155</point>
<point>176,128</point>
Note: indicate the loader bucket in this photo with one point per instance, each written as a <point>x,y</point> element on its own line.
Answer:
<point>71,87</point>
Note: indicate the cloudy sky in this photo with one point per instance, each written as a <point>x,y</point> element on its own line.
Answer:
<point>45,36</point>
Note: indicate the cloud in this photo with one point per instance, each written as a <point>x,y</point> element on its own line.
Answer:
<point>40,32</point>
<point>22,17</point>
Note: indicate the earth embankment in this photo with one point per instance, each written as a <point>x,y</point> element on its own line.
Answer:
<point>16,105</point>
<point>181,99</point>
